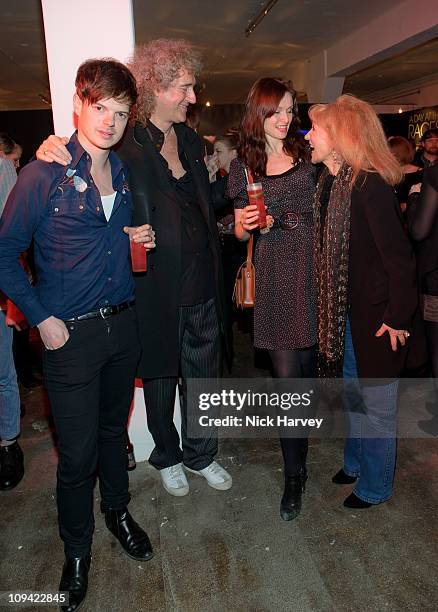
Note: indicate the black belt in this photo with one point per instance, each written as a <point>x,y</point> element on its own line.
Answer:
<point>290,220</point>
<point>106,311</point>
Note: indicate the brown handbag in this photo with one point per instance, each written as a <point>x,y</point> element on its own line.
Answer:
<point>244,286</point>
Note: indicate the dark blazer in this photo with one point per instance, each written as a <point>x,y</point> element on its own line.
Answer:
<point>382,278</point>
<point>155,202</point>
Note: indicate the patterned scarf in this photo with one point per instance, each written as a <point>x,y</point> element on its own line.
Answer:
<point>331,269</point>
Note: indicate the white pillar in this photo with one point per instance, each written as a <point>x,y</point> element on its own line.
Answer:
<point>77,31</point>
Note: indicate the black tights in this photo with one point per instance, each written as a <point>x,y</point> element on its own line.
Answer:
<point>298,363</point>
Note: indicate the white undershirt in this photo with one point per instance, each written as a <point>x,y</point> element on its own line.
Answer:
<point>107,204</point>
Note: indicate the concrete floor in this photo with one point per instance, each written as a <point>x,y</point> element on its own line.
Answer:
<point>229,551</point>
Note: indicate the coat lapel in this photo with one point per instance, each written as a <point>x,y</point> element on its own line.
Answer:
<point>191,147</point>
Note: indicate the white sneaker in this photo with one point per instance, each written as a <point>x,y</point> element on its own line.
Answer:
<point>215,475</point>
<point>174,480</point>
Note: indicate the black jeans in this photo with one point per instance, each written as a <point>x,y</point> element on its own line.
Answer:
<point>90,382</point>
<point>200,357</point>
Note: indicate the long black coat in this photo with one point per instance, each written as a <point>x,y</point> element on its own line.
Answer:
<point>382,278</point>
<point>155,202</point>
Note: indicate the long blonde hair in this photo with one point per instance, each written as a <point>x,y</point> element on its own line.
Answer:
<point>358,136</point>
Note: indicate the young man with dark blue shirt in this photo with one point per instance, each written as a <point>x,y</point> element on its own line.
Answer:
<point>78,218</point>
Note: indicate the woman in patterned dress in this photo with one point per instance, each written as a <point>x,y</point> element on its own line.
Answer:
<point>274,152</point>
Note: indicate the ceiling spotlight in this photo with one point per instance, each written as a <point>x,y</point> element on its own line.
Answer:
<point>207,103</point>
<point>400,110</point>
<point>259,17</point>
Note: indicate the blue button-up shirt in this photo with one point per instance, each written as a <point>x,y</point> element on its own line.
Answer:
<point>82,260</point>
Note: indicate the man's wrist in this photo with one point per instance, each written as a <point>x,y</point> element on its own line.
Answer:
<point>43,321</point>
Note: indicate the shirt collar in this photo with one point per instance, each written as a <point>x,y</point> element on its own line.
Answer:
<point>78,153</point>
<point>427,163</point>
<point>156,135</point>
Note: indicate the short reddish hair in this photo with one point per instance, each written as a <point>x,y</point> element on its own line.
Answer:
<point>100,79</point>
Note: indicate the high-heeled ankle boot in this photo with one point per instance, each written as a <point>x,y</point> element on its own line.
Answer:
<point>294,486</point>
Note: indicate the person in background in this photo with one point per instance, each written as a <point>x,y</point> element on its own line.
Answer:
<point>82,303</point>
<point>193,117</point>
<point>225,150</point>
<point>233,250</point>
<point>23,356</point>
<point>11,455</point>
<point>427,154</point>
<point>403,151</point>
<point>9,149</point>
<point>275,153</point>
<point>366,281</point>
<point>423,227</point>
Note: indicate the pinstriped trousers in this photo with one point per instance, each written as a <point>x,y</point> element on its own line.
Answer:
<point>200,357</point>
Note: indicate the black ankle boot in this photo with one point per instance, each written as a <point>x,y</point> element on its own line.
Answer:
<point>74,581</point>
<point>12,466</point>
<point>342,478</point>
<point>355,502</point>
<point>294,486</point>
<point>134,540</point>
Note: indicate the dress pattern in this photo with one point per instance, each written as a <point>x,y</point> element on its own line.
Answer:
<point>285,300</point>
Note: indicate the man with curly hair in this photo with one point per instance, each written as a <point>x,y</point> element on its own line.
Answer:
<point>180,300</point>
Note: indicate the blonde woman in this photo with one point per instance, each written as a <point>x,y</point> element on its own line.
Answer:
<point>403,151</point>
<point>366,286</point>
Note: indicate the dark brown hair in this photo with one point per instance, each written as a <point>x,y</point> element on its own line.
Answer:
<point>100,79</point>
<point>430,133</point>
<point>262,102</point>
<point>7,144</point>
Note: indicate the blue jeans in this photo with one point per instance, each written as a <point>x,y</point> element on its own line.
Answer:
<point>370,411</point>
<point>9,395</point>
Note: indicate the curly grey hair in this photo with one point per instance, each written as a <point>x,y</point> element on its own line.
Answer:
<point>156,65</point>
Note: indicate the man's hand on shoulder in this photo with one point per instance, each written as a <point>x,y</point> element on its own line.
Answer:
<point>53,333</point>
<point>53,149</point>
